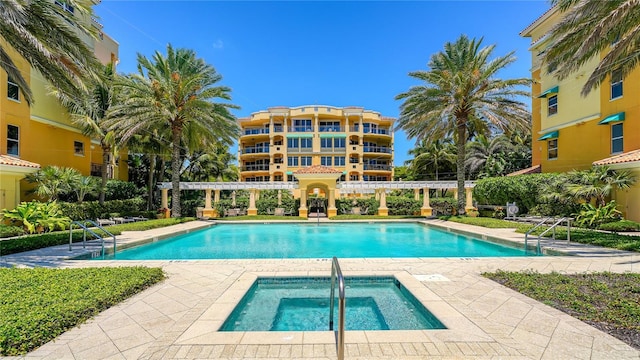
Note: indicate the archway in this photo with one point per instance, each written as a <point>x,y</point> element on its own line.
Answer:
<point>320,177</point>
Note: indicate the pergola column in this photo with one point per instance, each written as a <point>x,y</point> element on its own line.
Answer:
<point>416,194</point>
<point>207,199</point>
<point>383,210</point>
<point>377,196</point>
<point>331,208</point>
<point>426,209</point>
<point>303,211</point>
<point>469,199</point>
<point>252,210</point>
<point>279,197</point>
<point>165,202</point>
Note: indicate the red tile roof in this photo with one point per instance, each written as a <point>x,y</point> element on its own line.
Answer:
<point>14,161</point>
<point>630,156</point>
<point>530,170</point>
<point>317,169</point>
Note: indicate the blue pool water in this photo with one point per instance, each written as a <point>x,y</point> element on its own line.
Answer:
<point>346,240</point>
<point>302,304</point>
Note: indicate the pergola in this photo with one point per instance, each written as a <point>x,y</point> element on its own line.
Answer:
<point>319,177</point>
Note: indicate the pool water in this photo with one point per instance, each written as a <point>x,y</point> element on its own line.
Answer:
<point>302,304</point>
<point>344,240</point>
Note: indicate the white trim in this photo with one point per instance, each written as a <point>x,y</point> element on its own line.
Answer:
<point>625,165</point>
<point>570,123</point>
<point>55,123</point>
<point>16,169</point>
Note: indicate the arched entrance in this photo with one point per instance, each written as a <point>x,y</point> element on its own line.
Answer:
<point>317,177</point>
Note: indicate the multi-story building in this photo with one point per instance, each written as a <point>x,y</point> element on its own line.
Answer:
<point>276,142</point>
<point>573,132</point>
<point>44,133</point>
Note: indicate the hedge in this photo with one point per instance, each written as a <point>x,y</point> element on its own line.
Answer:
<point>39,304</point>
<point>93,209</point>
<point>402,205</point>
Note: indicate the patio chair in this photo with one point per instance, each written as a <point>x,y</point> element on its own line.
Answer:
<point>122,220</point>
<point>139,218</point>
<point>105,222</point>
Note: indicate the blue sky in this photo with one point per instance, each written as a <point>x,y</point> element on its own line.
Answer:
<point>294,53</point>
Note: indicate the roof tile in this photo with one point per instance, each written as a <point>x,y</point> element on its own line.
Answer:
<point>317,169</point>
<point>14,161</point>
<point>630,156</point>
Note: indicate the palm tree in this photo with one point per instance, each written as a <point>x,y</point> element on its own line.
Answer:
<point>597,183</point>
<point>460,92</point>
<point>88,109</point>
<point>44,34</point>
<point>589,28</point>
<point>432,154</point>
<point>172,92</point>
<point>212,164</point>
<point>155,147</point>
<point>487,156</point>
<point>53,181</point>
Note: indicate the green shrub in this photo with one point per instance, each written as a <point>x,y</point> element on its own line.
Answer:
<point>37,216</point>
<point>592,217</point>
<point>620,226</point>
<point>93,209</point>
<point>401,205</point>
<point>39,304</point>
<point>122,190</point>
<point>368,206</point>
<point>10,231</point>
<point>524,190</point>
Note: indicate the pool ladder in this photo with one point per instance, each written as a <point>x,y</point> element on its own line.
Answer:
<point>551,228</point>
<point>336,276</point>
<point>85,229</point>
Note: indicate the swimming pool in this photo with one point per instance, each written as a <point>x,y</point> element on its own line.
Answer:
<point>302,304</point>
<point>344,240</point>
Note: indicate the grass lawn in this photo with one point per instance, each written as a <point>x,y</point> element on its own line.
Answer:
<point>579,235</point>
<point>377,217</point>
<point>36,305</point>
<point>607,301</point>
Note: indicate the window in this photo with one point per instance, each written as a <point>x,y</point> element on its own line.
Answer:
<point>291,178</point>
<point>325,160</point>
<point>306,143</point>
<point>302,125</point>
<point>78,148</point>
<point>13,91</point>
<point>326,143</point>
<point>339,143</point>
<point>552,146</point>
<point>354,177</point>
<point>13,140</point>
<point>616,138</point>
<point>338,161</point>
<point>353,160</point>
<point>305,160</point>
<point>616,84</point>
<point>553,105</point>
<point>292,161</point>
<point>293,142</point>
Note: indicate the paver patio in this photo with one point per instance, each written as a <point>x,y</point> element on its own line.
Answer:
<point>178,318</point>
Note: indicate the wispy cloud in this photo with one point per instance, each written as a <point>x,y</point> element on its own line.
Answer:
<point>218,44</point>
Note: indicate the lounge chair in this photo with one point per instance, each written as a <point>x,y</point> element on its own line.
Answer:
<point>122,220</point>
<point>105,222</point>
<point>138,218</point>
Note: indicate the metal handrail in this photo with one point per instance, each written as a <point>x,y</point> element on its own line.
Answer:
<point>336,274</point>
<point>86,229</point>
<point>526,235</point>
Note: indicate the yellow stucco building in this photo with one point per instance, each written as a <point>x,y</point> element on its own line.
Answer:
<point>277,142</point>
<point>43,133</point>
<point>571,132</point>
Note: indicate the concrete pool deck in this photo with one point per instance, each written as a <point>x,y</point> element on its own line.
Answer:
<point>177,318</point>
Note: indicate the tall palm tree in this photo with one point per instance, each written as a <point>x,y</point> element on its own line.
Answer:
<point>173,92</point>
<point>589,28</point>
<point>154,145</point>
<point>44,34</point>
<point>212,164</point>
<point>488,156</point>
<point>432,155</point>
<point>460,91</point>
<point>88,109</point>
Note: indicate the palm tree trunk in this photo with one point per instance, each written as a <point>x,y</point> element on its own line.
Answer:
<point>175,173</point>
<point>106,159</point>
<point>152,169</point>
<point>462,137</point>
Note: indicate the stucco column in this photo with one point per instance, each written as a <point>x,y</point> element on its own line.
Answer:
<point>216,196</point>
<point>252,210</point>
<point>416,194</point>
<point>469,199</point>
<point>165,198</point>
<point>377,192</point>
<point>257,195</point>
<point>207,199</point>
<point>233,198</point>
<point>426,209</point>
<point>303,211</point>
<point>279,197</point>
<point>331,208</point>
<point>383,210</point>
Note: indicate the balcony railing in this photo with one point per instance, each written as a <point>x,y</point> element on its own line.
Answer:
<point>261,167</point>
<point>333,149</point>
<point>299,149</point>
<point>330,128</point>
<point>278,128</point>
<point>257,131</point>
<point>379,131</point>
<point>300,128</point>
<point>377,149</point>
<point>256,150</point>
<point>377,167</point>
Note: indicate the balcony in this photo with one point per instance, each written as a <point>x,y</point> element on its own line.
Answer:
<point>255,150</point>
<point>299,150</point>
<point>255,131</point>
<point>377,149</point>
<point>378,167</point>
<point>331,128</point>
<point>333,149</point>
<point>377,131</point>
<point>259,167</point>
<point>301,129</point>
